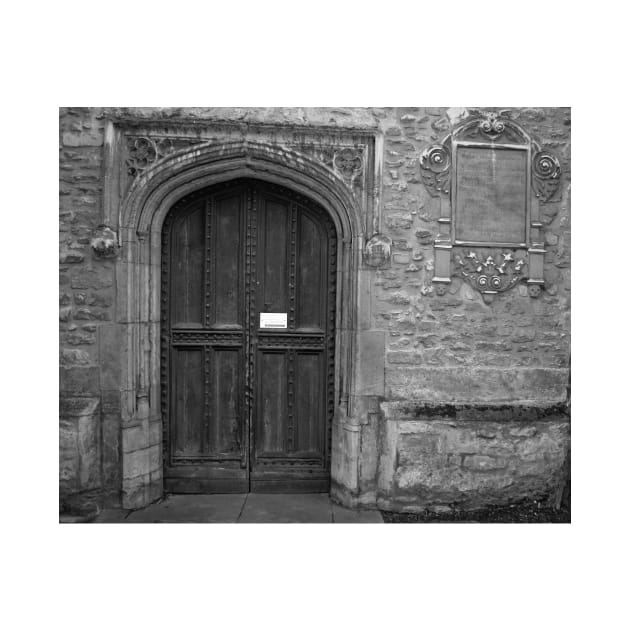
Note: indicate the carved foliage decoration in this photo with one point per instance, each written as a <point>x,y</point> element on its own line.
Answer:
<point>493,274</point>
<point>545,174</point>
<point>435,169</point>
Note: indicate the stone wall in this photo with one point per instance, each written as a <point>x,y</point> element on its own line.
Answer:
<point>513,352</point>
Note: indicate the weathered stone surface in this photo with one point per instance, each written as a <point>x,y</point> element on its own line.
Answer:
<point>79,380</point>
<point>79,445</point>
<point>469,465</point>
<point>459,384</point>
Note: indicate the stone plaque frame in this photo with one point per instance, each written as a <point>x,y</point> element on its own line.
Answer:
<point>490,269</point>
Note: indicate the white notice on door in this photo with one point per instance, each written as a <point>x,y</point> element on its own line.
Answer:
<point>273,320</point>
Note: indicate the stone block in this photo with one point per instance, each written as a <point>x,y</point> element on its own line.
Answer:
<point>100,277</point>
<point>68,456</point>
<point>72,357</point>
<point>135,492</point>
<point>71,257</point>
<point>370,375</point>
<point>483,462</point>
<point>76,407</point>
<point>472,384</point>
<point>135,438</point>
<point>110,356</point>
<point>155,433</point>
<point>88,440</point>
<point>155,458</point>
<point>110,401</point>
<point>79,380</point>
<point>112,470</point>
<point>82,139</point>
<point>136,463</point>
<point>468,465</point>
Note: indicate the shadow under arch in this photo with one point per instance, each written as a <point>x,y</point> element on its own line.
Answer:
<point>140,219</point>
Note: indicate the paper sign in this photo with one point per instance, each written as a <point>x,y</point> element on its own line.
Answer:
<point>273,320</point>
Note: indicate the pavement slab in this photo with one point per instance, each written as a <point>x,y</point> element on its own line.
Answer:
<point>191,508</point>
<point>346,515</point>
<point>287,508</point>
<point>241,508</point>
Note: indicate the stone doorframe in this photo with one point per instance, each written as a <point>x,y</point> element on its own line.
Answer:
<point>138,215</point>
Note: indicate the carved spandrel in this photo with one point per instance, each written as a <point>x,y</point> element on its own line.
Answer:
<point>144,151</point>
<point>348,162</point>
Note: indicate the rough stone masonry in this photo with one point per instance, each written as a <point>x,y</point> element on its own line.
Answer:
<point>473,408</point>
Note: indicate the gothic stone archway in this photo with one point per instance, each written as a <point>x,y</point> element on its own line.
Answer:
<point>159,181</point>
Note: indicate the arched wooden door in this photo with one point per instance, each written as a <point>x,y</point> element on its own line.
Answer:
<point>248,316</point>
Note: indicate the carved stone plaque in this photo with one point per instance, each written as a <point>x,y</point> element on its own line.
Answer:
<point>491,191</point>
<point>491,177</point>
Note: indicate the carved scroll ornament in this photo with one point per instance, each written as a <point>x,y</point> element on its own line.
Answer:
<point>435,170</point>
<point>545,174</point>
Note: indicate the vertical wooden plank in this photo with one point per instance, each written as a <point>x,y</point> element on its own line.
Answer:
<point>187,401</point>
<point>187,267</point>
<point>274,263</point>
<point>311,281</point>
<point>227,256</point>
<point>227,383</point>
<point>272,410</point>
<point>309,407</point>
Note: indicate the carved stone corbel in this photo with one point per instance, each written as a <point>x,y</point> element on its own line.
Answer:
<point>378,251</point>
<point>104,243</point>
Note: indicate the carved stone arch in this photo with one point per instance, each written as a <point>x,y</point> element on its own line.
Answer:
<point>140,217</point>
<point>192,168</point>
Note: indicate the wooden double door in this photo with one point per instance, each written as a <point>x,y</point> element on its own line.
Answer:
<point>248,316</point>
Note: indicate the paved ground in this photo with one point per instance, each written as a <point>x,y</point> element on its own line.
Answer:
<point>242,508</point>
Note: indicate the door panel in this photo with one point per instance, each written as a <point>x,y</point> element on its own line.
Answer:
<point>227,434</point>
<point>244,407</point>
<point>226,255</point>
<point>272,409</point>
<point>187,270</point>
<point>274,278</point>
<point>311,269</point>
<point>188,438</point>
<point>308,399</point>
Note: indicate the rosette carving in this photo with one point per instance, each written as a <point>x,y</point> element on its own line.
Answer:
<point>348,162</point>
<point>490,275</point>
<point>143,152</point>
<point>435,170</point>
<point>545,174</point>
